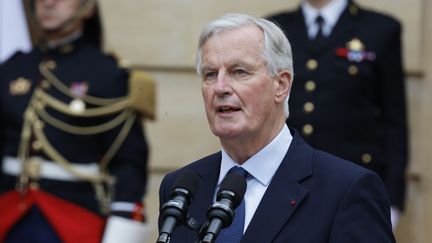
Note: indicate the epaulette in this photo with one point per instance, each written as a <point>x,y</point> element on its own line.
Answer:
<point>142,93</point>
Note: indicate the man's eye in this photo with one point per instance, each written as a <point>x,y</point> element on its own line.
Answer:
<point>209,75</point>
<point>239,72</point>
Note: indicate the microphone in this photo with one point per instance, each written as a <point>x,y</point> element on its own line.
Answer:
<point>174,212</point>
<point>221,212</point>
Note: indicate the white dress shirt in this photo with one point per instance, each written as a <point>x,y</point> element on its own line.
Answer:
<point>261,168</point>
<point>330,13</point>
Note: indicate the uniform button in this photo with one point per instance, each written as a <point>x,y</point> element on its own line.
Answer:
<point>308,107</point>
<point>307,129</point>
<point>50,64</point>
<point>353,70</point>
<point>366,158</point>
<point>310,86</point>
<point>311,64</point>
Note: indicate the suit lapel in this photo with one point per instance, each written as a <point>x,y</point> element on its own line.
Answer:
<point>208,173</point>
<point>284,194</point>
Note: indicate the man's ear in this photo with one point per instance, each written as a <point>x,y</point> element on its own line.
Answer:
<point>282,85</point>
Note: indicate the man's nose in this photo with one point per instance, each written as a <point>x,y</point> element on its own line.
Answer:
<point>223,84</point>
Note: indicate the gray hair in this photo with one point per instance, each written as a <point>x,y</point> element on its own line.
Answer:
<point>277,49</point>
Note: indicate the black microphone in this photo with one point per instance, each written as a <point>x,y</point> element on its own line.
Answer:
<point>221,212</point>
<point>174,212</point>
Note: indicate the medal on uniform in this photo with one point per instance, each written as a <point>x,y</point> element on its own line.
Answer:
<point>355,51</point>
<point>20,86</point>
<point>355,45</point>
<point>78,90</point>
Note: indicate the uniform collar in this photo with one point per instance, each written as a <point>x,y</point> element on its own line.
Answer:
<point>64,41</point>
<point>63,46</point>
<point>263,165</point>
<point>331,13</point>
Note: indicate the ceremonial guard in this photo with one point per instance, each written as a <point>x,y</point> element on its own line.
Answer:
<point>348,96</point>
<point>74,152</point>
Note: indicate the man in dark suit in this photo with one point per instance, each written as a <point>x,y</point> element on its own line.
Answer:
<point>349,95</point>
<point>294,192</point>
<point>74,155</point>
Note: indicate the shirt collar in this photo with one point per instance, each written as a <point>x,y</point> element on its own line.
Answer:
<point>330,12</point>
<point>263,165</point>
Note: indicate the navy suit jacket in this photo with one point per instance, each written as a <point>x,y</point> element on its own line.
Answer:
<point>313,197</point>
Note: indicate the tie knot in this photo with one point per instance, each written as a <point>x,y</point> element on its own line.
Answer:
<point>319,37</point>
<point>239,171</point>
<point>319,20</point>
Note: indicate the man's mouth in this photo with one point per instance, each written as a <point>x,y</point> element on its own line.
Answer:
<point>227,109</point>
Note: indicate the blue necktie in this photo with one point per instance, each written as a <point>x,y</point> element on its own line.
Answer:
<point>234,233</point>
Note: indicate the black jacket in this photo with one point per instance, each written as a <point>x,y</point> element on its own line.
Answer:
<point>348,93</point>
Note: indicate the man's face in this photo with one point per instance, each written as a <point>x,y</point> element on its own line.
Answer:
<point>51,14</point>
<point>238,91</point>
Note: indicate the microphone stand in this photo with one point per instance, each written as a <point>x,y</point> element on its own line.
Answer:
<point>191,224</point>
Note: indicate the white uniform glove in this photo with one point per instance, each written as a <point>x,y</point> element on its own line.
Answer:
<point>119,229</point>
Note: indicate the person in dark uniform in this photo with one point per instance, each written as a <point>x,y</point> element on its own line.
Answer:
<point>74,153</point>
<point>348,97</point>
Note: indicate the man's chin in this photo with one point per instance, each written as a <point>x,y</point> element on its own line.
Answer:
<point>49,26</point>
<point>50,29</point>
<point>226,132</point>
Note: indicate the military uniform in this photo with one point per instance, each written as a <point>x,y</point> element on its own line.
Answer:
<point>67,108</point>
<point>348,91</point>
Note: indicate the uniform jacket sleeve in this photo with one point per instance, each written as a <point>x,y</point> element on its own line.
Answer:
<point>394,116</point>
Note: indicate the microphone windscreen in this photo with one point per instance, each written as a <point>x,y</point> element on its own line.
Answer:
<point>236,184</point>
<point>187,180</point>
